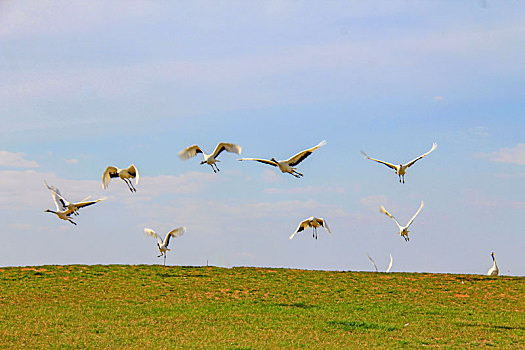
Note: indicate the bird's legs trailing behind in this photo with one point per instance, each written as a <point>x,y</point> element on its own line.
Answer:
<point>296,173</point>
<point>130,185</point>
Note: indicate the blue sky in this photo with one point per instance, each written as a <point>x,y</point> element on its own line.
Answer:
<point>87,85</point>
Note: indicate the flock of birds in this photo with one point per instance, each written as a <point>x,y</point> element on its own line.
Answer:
<point>65,209</point>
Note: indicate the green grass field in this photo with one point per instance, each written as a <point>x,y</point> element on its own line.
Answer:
<point>150,307</point>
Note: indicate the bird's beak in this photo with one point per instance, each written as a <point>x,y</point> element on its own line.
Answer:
<point>203,162</point>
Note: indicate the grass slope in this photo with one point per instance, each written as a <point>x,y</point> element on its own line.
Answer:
<point>150,307</point>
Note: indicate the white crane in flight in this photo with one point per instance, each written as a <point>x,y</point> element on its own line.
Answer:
<point>403,230</point>
<point>63,205</point>
<point>210,159</point>
<point>62,214</point>
<point>288,165</point>
<point>64,208</point>
<point>125,174</point>
<point>163,244</point>
<point>402,168</point>
<point>313,222</point>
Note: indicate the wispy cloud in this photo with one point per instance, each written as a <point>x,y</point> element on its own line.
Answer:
<point>305,190</point>
<point>25,189</point>
<point>16,160</point>
<point>374,201</point>
<point>71,161</point>
<point>192,182</point>
<point>512,155</point>
<point>478,198</point>
<point>37,18</point>
<point>480,131</point>
<point>271,176</point>
<point>231,75</point>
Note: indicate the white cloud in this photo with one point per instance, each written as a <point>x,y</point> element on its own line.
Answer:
<point>219,218</point>
<point>374,202</point>
<point>233,73</point>
<point>192,182</point>
<point>16,160</point>
<point>271,176</point>
<point>478,198</point>
<point>439,98</point>
<point>26,189</point>
<point>40,18</point>
<point>71,161</point>
<point>512,155</point>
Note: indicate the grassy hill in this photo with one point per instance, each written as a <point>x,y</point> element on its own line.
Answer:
<point>149,307</point>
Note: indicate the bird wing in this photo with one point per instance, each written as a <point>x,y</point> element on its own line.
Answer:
<point>434,145</point>
<point>302,225</point>
<point>373,262</point>
<point>153,234</point>
<point>299,157</point>
<point>60,202</point>
<point>384,211</point>
<point>389,265</point>
<point>134,172</point>
<point>88,197</point>
<point>53,188</point>
<point>85,203</point>
<point>66,212</point>
<point>189,152</point>
<point>110,172</point>
<point>324,224</point>
<point>229,147</point>
<point>265,161</point>
<point>412,220</point>
<point>175,233</point>
<point>392,166</point>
